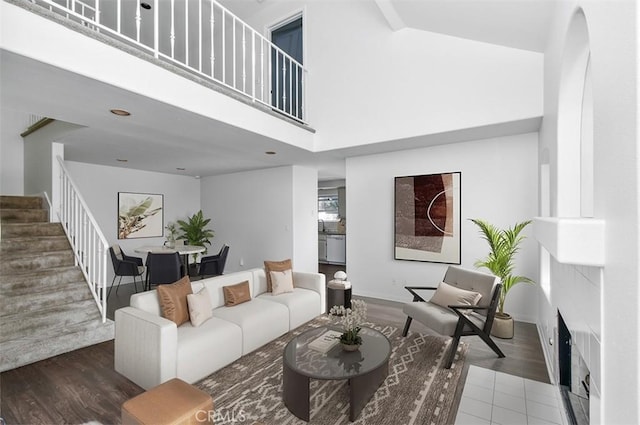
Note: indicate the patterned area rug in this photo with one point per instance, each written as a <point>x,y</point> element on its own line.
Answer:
<point>417,391</point>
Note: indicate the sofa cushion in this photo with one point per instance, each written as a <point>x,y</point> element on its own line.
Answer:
<point>173,300</point>
<point>199,307</point>
<point>275,266</point>
<point>236,294</point>
<point>303,305</point>
<point>207,348</point>
<point>281,282</point>
<point>441,319</point>
<point>215,284</point>
<point>447,295</point>
<point>261,321</point>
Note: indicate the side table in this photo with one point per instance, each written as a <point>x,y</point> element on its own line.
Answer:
<point>338,295</point>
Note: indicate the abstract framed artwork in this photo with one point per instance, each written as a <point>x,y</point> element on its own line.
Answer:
<point>427,218</point>
<point>140,215</point>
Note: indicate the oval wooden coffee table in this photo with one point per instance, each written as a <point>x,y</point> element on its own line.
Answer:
<point>365,369</point>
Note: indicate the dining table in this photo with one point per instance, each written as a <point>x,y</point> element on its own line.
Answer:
<point>184,250</point>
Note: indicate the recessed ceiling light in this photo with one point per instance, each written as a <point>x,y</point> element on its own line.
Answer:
<point>180,168</point>
<point>270,153</point>
<point>120,112</point>
<point>122,160</point>
<point>144,5</point>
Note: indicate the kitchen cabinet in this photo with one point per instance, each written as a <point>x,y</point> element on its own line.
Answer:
<point>322,248</point>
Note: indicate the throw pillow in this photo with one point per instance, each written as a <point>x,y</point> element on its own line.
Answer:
<point>275,266</point>
<point>117,252</point>
<point>199,307</point>
<point>173,300</point>
<point>281,282</point>
<point>447,295</point>
<point>236,294</point>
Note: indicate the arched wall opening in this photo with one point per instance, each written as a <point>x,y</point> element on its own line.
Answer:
<point>574,161</point>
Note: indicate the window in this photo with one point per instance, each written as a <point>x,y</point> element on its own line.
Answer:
<point>328,208</point>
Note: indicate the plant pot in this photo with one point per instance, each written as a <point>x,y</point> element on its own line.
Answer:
<point>502,326</point>
<point>350,347</point>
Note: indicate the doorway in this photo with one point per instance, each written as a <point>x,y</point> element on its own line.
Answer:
<point>286,75</point>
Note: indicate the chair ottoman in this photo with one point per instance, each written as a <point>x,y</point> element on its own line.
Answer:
<point>172,403</point>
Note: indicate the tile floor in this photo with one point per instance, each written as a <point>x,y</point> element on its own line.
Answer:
<point>496,398</point>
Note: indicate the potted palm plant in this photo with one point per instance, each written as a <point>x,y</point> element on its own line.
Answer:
<point>504,244</point>
<point>195,232</point>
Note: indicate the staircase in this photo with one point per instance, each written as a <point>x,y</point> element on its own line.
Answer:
<point>46,307</point>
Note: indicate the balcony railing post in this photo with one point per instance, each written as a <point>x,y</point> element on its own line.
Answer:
<point>138,21</point>
<point>156,29</point>
<point>172,33</point>
<point>253,66</point>
<point>212,57</point>
<point>186,33</point>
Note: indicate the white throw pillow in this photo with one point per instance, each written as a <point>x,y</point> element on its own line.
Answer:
<point>199,307</point>
<point>281,282</point>
<point>447,295</point>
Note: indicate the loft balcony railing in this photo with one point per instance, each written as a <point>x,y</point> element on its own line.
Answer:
<point>202,37</point>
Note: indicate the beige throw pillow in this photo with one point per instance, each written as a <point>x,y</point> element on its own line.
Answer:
<point>281,282</point>
<point>236,294</point>
<point>173,300</point>
<point>199,307</point>
<point>447,295</point>
<point>275,266</point>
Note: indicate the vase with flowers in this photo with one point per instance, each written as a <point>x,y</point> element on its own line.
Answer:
<point>351,320</point>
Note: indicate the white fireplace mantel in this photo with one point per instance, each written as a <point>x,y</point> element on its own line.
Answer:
<point>578,241</point>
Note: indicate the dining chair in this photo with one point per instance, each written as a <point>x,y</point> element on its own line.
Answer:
<point>213,265</point>
<point>457,316</point>
<point>163,268</point>
<point>125,265</point>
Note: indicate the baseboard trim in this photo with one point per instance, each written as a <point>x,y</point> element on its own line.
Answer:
<point>546,354</point>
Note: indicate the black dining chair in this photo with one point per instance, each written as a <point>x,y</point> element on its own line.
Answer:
<point>163,268</point>
<point>125,265</point>
<point>213,265</point>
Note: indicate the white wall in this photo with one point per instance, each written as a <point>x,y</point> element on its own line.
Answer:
<point>305,218</point>
<point>39,156</point>
<point>12,123</point>
<point>368,84</point>
<point>499,184</point>
<point>99,185</point>
<point>263,215</point>
<point>601,304</point>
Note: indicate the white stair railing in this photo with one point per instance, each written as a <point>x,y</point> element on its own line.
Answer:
<point>87,241</point>
<point>202,37</point>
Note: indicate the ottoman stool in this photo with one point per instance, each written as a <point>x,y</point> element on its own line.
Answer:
<point>174,402</point>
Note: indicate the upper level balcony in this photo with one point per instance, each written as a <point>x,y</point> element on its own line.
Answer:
<point>200,37</point>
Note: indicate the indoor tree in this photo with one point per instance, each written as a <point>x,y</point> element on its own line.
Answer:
<point>504,244</point>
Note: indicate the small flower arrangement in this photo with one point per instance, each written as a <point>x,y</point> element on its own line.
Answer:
<point>351,320</point>
<point>172,234</point>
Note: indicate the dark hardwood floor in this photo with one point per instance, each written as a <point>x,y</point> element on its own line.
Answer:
<point>82,386</point>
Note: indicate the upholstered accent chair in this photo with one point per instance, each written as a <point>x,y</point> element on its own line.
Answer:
<point>125,265</point>
<point>465,305</point>
<point>213,265</point>
<point>163,268</point>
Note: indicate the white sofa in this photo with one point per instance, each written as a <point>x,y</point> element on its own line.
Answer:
<point>150,349</point>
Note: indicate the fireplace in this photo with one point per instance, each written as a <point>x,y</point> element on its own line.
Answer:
<point>574,377</point>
